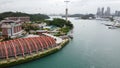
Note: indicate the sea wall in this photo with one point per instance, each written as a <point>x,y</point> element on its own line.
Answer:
<point>19,60</point>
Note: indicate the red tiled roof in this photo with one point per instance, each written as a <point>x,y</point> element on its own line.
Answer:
<point>23,46</point>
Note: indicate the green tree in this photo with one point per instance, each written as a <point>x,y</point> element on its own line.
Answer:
<point>33,17</point>
<point>59,23</point>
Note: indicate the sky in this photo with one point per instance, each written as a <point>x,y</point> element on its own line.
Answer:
<point>57,6</point>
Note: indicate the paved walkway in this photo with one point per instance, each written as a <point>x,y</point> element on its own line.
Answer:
<point>58,40</point>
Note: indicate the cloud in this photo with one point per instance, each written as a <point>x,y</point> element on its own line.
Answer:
<point>56,6</point>
<point>3,2</point>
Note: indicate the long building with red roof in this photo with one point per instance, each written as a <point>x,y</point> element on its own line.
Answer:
<point>25,46</point>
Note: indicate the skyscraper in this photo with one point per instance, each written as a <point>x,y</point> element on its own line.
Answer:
<point>98,12</point>
<point>108,12</point>
<point>102,11</point>
<point>117,13</point>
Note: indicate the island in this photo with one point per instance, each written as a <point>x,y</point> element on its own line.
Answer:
<point>24,38</point>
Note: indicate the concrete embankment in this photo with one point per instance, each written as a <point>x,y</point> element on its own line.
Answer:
<point>33,56</point>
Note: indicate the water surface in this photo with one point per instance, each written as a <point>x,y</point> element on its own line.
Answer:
<point>93,46</point>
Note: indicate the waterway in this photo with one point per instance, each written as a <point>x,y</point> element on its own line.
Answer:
<point>93,46</point>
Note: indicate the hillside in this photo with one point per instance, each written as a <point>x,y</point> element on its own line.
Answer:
<point>33,17</point>
<point>74,15</point>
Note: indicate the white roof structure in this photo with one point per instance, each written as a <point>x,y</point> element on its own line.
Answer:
<point>31,35</point>
<point>58,40</point>
<point>41,31</point>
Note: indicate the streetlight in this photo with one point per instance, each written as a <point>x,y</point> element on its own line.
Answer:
<point>66,10</point>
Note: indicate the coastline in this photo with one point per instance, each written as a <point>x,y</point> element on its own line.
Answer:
<point>20,60</point>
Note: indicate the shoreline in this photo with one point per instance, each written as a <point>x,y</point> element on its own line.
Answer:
<point>33,56</point>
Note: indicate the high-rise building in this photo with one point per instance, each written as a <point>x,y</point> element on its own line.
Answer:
<point>98,12</point>
<point>108,12</point>
<point>102,11</point>
<point>117,13</point>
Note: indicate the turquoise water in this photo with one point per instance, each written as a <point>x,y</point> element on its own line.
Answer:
<point>93,46</point>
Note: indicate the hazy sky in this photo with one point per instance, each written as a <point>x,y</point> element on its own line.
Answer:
<point>57,6</point>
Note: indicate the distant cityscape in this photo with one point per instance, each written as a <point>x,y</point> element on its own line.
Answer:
<point>101,12</point>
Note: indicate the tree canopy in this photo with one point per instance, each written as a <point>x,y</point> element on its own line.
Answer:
<point>33,17</point>
<point>88,16</point>
<point>59,23</point>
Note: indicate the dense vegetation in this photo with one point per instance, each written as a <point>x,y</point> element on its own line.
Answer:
<point>74,15</point>
<point>30,26</point>
<point>88,16</point>
<point>65,26</point>
<point>33,17</point>
<point>83,16</point>
<point>59,23</point>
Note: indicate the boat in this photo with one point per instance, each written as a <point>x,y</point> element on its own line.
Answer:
<point>107,24</point>
<point>70,36</point>
<point>77,18</point>
<point>112,27</point>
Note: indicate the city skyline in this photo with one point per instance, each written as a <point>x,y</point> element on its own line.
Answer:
<point>48,6</point>
<point>104,12</point>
